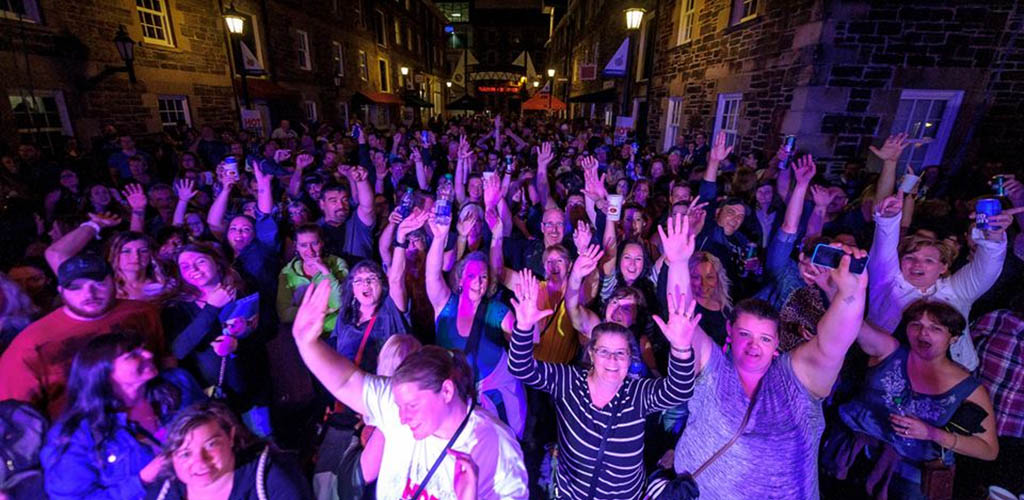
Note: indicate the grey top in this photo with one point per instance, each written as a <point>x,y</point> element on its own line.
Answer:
<point>777,455</point>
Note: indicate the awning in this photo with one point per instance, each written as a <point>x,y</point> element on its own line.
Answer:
<point>543,102</point>
<point>375,98</point>
<point>260,88</point>
<point>467,103</point>
<point>416,101</point>
<point>606,95</point>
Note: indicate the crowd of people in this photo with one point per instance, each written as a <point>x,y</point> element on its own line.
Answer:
<point>489,307</point>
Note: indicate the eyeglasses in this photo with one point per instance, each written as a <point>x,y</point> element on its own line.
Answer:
<point>368,281</point>
<point>606,354</point>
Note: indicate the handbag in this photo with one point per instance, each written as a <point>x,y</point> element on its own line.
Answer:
<point>936,476</point>
<point>684,486</point>
<point>599,458</point>
<point>437,463</point>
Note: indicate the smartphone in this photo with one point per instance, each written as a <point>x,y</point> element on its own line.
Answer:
<point>790,145</point>
<point>424,137</point>
<point>510,164</point>
<point>829,256</point>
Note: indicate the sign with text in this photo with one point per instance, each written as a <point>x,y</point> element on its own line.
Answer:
<point>252,120</point>
<point>492,89</point>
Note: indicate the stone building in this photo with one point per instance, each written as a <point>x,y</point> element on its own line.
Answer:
<point>320,60</point>
<point>839,75</point>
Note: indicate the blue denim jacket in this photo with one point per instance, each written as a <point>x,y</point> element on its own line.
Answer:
<point>783,272</point>
<point>82,472</point>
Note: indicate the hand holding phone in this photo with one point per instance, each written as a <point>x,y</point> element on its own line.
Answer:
<point>830,256</point>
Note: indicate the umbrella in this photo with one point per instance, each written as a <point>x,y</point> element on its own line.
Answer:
<point>543,102</point>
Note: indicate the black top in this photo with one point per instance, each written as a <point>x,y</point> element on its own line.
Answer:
<point>283,480</point>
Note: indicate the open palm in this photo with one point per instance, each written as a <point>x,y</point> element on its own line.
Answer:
<point>682,321</point>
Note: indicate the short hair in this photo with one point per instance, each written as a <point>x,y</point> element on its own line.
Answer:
<point>761,309</point>
<point>602,329</point>
<point>943,313</point>
<point>310,228</point>
<point>205,412</point>
<point>396,348</point>
<point>913,243</point>
<point>431,365</point>
<point>331,187</point>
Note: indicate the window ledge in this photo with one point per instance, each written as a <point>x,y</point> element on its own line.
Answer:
<point>744,23</point>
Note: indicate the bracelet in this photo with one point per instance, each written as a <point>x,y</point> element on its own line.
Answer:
<point>515,327</point>
<point>956,439</point>
<point>95,227</point>
<point>402,244</point>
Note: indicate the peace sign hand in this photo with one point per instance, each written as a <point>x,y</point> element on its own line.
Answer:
<point>682,321</point>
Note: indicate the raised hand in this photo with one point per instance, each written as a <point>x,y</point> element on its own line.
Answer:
<point>416,219</point>
<point>439,227</point>
<point>309,320</point>
<point>525,302</point>
<point>545,155</point>
<point>582,236</point>
<point>891,206</point>
<point>303,160</point>
<point>136,197</point>
<point>696,213</point>
<point>281,155</point>
<point>846,282</point>
<point>464,150</point>
<point>677,240</point>
<point>587,261</point>
<point>464,226</point>
<point>105,219</point>
<point>414,157</point>
<point>719,151</point>
<point>492,190</point>
<point>1014,191</point>
<point>357,174</point>
<point>185,189</point>
<point>221,296</point>
<point>261,176</point>
<point>804,170</point>
<point>822,196</point>
<point>819,276</point>
<point>892,149</point>
<point>682,320</point>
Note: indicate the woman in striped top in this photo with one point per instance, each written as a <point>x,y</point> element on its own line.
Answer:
<point>588,401</point>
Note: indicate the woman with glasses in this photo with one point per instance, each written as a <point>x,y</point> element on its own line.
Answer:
<point>601,410</point>
<point>373,305</point>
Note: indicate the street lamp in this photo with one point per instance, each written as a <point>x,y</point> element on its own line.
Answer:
<point>236,27</point>
<point>404,70</point>
<point>448,84</point>
<point>634,16</point>
<point>551,75</point>
<point>536,84</point>
<point>126,48</point>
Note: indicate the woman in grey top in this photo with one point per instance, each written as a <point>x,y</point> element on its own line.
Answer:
<point>776,456</point>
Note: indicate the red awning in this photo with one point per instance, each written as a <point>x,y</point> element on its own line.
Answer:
<point>378,98</point>
<point>542,102</point>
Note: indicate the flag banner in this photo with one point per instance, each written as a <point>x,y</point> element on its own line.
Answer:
<point>616,67</point>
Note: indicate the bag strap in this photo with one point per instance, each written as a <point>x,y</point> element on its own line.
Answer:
<point>600,451</point>
<point>261,474</point>
<point>736,436</point>
<point>476,332</point>
<point>366,336</point>
<point>440,458</point>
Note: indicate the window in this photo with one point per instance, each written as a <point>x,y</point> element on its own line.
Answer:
<point>173,109</point>
<point>455,12</point>
<point>385,83</point>
<point>398,33</point>
<point>743,10</point>
<point>674,121</point>
<point>687,20</point>
<point>380,28</point>
<point>302,48</point>
<point>927,117</point>
<point>22,10</point>
<point>156,25</point>
<point>364,67</point>
<point>339,58</point>
<point>310,109</point>
<point>727,117</point>
<point>41,118</point>
<point>408,37</point>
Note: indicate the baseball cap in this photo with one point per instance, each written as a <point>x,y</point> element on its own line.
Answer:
<point>87,266</point>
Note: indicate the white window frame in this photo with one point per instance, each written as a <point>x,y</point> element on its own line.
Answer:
<point>739,7</point>
<point>935,147</point>
<point>62,111</point>
<point>687,21</point>
<point>673,121</point>
<point>31,14</point>
<point>185,112</point>
<point>727,116</point>
<point>163,16</point>
<point>305,58</point>
<point>385,75</point>
<point>364,66</point>
<point>310,111</point>
<point>338,54</point>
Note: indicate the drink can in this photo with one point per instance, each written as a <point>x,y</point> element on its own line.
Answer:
<point>231,166</point>
<point>998,182</point>
<point>987,207</point>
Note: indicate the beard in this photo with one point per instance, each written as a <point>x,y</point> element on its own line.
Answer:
<point>91,313</point>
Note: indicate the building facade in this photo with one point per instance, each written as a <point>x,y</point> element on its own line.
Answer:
<point>837,74</point>
<point>319,60</point>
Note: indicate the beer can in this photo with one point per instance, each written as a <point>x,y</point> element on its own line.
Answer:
<point>987,207</point>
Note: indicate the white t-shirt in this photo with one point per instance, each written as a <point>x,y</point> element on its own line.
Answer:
<point>406,461</point>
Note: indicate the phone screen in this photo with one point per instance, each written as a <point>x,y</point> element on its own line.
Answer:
<point>829,256</point>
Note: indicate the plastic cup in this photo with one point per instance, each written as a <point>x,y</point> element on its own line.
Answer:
<point>998,493</point>
<point>614,207</point>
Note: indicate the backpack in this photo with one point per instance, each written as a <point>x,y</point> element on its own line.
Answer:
<point>22,431</point>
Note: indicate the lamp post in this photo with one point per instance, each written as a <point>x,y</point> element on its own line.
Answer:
<point>126,49</point>
<point>634,16</point>
<point>551,77</point>
<point>236,27</point>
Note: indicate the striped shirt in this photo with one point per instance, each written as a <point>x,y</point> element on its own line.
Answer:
<point>581,425</point>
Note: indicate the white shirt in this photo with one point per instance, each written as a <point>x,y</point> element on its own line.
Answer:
<point>406,461</point>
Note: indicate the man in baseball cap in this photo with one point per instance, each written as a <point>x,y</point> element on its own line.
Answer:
<point>35,366</point>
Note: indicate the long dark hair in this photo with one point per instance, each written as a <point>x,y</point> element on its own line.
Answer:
<point>349,307</point>
<point>228,275</point>
<point>91,397</point>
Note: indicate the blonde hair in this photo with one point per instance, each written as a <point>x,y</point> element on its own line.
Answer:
<point>914,242</point>
<point>396,348</point>
<point>722,289</point>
